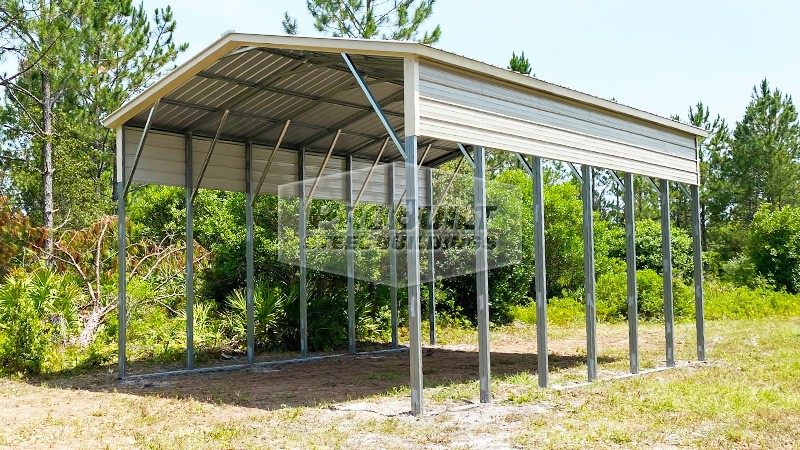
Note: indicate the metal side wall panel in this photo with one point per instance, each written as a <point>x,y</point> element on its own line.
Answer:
<point>459,107</point>
<point>162,163</point>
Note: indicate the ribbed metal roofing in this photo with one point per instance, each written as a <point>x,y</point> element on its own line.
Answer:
<point>263,88</point>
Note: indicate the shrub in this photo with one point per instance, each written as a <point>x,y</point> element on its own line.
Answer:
<point>648,247</point>
<point>612,298</point>
<point>727,301</point>
<point>37,310</point>
<point>774,246</point>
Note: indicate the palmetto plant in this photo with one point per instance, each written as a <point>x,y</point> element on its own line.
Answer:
<point>54,298</point>
<point>268,310</point>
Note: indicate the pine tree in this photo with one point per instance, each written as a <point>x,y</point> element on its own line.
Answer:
<point>762,162</point>
<point>520,64</point>
<point>369,19</point>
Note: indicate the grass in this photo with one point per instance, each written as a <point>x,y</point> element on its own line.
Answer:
<point>748,395</point>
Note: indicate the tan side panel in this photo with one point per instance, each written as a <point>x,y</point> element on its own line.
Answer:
<point>462,108</point>
<point>162,163</point>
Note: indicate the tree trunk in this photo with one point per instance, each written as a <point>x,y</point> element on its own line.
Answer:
<point>47,164</point>
<point>92,324</point>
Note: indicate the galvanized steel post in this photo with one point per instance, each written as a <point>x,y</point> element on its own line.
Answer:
<point>351,281</point>
<point>587,189</point>
<point>250,195</point>
<point>121,260</point>
<point>301,234</point>
<point>540,273</point>
<point>431,260</point>
<point>630,262</point>
<point>698,273</point>
<point>189,253</point>
<point>666,251</point>
<point>482,274</point>
<point>392,254</point>
<point>412,257</point>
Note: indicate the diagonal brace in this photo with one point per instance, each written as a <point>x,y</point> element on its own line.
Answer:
<point>142,141</point>
<point>466,155</point>
<point>321,170</point>
<point>447,186</point>
<point>369,174</point>
<point>525,164</point>
<point>375,106</point>
<point>575,172</point>
<point>269,162</point>
<point>208,155</point>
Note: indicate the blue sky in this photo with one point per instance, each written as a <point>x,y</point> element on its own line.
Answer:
<point>660,56</point>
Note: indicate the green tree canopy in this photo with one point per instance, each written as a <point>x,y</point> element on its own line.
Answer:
<point>520,63</point>
<point>369,19</point>
<point>762,162</point>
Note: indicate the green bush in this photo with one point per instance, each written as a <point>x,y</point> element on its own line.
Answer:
<point>648,247</point>
<point>774,246</point>
<point>37,311</point>
<point>727,301</point>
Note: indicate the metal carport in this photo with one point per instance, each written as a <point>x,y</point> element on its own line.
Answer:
<point>253,112</point>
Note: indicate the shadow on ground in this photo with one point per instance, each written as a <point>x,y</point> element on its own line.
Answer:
<point>319,381</point>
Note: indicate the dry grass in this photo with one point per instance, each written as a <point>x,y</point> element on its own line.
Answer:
<point>747,396</point>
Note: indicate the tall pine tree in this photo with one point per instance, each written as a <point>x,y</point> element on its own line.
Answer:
<point>370,19</point>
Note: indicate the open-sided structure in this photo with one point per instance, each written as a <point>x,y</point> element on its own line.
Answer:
<point>253,112</point>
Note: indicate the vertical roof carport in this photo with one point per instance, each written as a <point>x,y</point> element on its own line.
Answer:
<point>253,112</point>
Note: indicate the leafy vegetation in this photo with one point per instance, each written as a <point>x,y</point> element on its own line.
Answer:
<point>77,61</point>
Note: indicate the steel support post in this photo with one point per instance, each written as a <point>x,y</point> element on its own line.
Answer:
<point>588,270</point>
<point>251,355</point>
<point>122,280</point>
<point>666,251</point>
<point>540,273</point>
<point>431,260</point>
<point>630,261</point>
<point>351,269</point>
<point>412,258</point>
<point>189,254</point>
<point>482,274</point>
<point>698,274</point>
<point>392,254</point>
<point>301,234</point>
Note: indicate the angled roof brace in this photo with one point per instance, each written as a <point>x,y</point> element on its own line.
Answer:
<point>369,174</point>
<point>421,160</point>
<point>447,186</point>
<point>142,140</point>
<point>655,185</point>
<point>616,178</point>
<point>269,162</point>
<point>466,155</point>
<point>525,164</point>
<point>374,104</point>
<point>321,170</point>
<point>683,189</point>
<point>575,172</point>
<point>208,155</point>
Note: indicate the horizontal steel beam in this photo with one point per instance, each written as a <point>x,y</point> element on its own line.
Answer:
<point>351,119</point>
<point>277,362</point>
<point>316,98</point>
